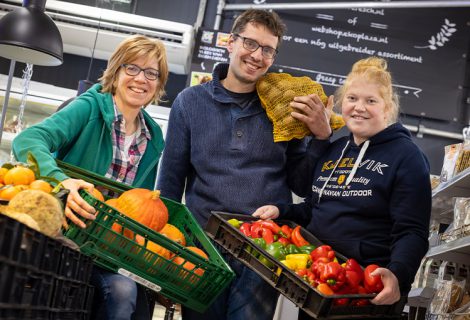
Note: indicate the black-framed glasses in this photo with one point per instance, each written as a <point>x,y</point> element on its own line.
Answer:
<point>252,45</point>
<point>133,70</point>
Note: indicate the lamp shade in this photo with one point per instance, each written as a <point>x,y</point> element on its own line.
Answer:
<point>28,35</point>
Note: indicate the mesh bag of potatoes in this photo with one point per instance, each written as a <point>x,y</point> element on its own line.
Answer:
<point>276,91</point>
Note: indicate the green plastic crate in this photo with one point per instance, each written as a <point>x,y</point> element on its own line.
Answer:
<point>113,251</point>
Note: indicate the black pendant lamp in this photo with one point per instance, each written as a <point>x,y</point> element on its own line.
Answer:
<point>28,35</point>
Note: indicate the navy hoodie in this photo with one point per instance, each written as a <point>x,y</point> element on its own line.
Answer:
<point>377,211</point>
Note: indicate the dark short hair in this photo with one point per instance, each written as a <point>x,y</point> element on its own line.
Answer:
<point>269,19</point>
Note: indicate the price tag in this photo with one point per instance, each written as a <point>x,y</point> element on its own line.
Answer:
<point>140,280</point>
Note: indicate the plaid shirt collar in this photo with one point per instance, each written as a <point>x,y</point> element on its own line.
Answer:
<point>123,170</point>
<point>119,118</point>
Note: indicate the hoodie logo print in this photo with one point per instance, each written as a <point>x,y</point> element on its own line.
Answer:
<point>375,168</point>
<point>372,165</point>
<point>341,179</point>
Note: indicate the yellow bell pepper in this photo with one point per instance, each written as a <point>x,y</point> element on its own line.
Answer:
<point>289,264</point>
<point>297,261</point>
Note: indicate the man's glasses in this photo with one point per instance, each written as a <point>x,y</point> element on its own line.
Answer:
<point>251,45</point>
<point>133,70</point>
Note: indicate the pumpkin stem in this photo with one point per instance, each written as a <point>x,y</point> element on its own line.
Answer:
<point>155,194</point>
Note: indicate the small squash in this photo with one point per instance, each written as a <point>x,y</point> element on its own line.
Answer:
<point>144,206</point>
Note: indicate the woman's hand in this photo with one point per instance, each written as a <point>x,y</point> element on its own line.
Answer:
<point>311,111</point>
<point>391,291</point>
<point>76,204</point>
<point>266,212</point>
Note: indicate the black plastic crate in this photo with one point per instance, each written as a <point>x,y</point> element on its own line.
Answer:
<point>31,247</point>
<point>89,300</point>
<point>69,294</point>
<point>10,237</point>
<point>72,300</point>
<point>286,281</point>
<point>68,315</point>
<point>19,242</point>
<point>23,312</point>
<point>85,268</point>
<point>75,265</point>
<point>24,285</point>
<point>51,254</point>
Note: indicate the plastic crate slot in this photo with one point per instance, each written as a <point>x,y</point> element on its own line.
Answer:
<point>31,247</point>
<point>51,255</point>
<point>9,311</point>
<point>24,285</point>
<point>69,295</point>
<point>10,237</point>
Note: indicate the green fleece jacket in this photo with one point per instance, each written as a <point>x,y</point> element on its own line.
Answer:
<point>80,134</point>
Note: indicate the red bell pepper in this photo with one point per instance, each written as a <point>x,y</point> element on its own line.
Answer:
<point>362,290</point>
<point>287,231</point>
<point>245,229</point>
<point>267,235</point>
<point>352,265</point>
<point>353,280</point>
<point>341,301</point>
<point>323,251</point>
<point>271,225</point>
<point>297,238</point>
<point>360,302</point>
<point>284,241</point>
<point>372,283</point>
<point>334,275</point>
<point>256,230</point>
<point>318,266</point>
<point>306,275</point>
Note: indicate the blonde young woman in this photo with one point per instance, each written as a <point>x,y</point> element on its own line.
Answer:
<point>106,130</point>
<point>371,193</point>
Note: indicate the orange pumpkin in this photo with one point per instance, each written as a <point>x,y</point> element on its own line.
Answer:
<point>152,246</point>
<point>97,194</point>
<point>190,266</point>
<point>173,233</point>
<point>112,202</point>
<point>144,206</point>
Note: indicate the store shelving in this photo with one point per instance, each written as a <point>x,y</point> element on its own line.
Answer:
<point>458,186</point>
<point>455,251</point>
<point>442,196</point>
<point>458,250</point>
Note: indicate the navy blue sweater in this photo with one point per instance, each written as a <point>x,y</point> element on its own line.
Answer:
<point>223,156</point>
<point>382,215</point>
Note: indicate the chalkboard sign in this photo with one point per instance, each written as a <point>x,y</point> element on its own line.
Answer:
<point>426,50</point>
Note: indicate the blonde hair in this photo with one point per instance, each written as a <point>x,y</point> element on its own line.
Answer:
<point>374,69</point>
<point>131,49</point>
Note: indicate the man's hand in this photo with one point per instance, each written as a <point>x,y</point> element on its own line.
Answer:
<point>311,111</point>
<point>266,212</point>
